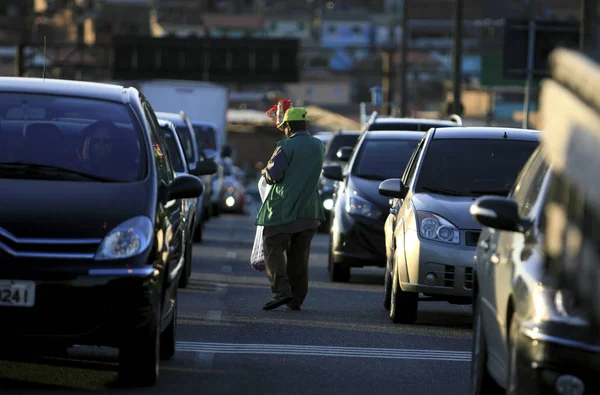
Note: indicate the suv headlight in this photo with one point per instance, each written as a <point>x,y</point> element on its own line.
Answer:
<point>126,240</point>
<point>356,205</point>
<point>437,228</point>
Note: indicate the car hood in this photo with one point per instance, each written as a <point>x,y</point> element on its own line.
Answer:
<point>453,208</point>
<point>369,190</point>
<point>61,209</point>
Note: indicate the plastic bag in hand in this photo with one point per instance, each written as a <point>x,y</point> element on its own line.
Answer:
<point>257,259</point>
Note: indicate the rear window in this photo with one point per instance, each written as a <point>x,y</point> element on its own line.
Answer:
<point>173,150</point>
<point>383,159</point>
<point>205,137</point>
<point>186,141</point>
<point>339,141</point>
<point>473,167</point>
<point>406,126</point>
<point>83,139</point>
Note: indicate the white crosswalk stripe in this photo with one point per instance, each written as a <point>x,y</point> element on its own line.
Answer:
<point>324,351</point>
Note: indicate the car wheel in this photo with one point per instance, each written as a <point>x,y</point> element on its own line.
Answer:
<point>514,363</point>
<point>139,358</point>
<point>338,272</point>
<point>387,296</point>
<point>482,382</point>
<point>198,233</point>
<point>184,279</point>
<point>169,336</point>
<point>404,305</point>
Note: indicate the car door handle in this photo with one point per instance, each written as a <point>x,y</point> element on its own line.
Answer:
<point>394,211</point>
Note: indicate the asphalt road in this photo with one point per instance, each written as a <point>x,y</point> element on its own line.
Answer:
<point>342,342</point>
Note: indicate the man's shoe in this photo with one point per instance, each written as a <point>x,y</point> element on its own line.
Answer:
<point>293,306</point>
<point>277,302</point>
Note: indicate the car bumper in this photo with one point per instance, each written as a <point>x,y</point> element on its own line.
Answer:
<point>545,356</point>
<point>435,268</point>
<point>95,306</point>
<point>358,242</point>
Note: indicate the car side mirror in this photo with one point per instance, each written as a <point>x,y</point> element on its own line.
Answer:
<point>394,188</point>
<point>185,187</point>
<point>500,213</point>
<point>344,154</point>
<point>205,167</point>
<point>333,172</point>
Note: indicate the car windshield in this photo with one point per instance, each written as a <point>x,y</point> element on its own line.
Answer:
<point>205,136</point>
<point>173,150</point>
<point>339,141</point>
<point>473,167</point>
<point>71,138</point>
<point>382,159</point>
<point>406,126</point>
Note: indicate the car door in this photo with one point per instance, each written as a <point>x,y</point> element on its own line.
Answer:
<point>508,249</point>
<point>173,209</point>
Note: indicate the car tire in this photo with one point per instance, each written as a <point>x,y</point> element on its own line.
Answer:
<point>168,337</point>
<point>482,382</point>
<point>139,358</point>
<point>513,363</point>
<point>198,233</point>
<point>338,272</point>
<point>404,305</point>
<point>387,296</point>
<point>184,279</point>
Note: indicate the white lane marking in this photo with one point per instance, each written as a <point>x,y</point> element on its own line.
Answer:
<point>231,255</point>
<point>227,268</point>
<point>215,315</point>
<point>324,351</point>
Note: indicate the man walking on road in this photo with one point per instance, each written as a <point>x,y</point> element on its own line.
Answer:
<point>292,211</point>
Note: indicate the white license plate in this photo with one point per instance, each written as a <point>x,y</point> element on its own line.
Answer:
<point>17,293</point>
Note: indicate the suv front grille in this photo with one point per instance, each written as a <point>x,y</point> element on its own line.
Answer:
<point>468,278</point>
<point>449,273</point>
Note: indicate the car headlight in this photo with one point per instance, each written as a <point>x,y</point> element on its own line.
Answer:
<point>128,239</point>
<point>328,204</point>
<point>556,305</point>
<point>356,205</point>
<point>437,228</point>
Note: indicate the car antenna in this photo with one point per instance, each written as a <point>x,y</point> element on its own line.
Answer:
<point>44,68</point>
<point>505,135</point>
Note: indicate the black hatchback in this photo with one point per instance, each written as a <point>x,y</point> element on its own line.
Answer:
<point>91,241</point>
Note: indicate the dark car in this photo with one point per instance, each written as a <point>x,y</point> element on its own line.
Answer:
<point>530,336</point>
<point>194,156</point>
<point>359,212</point>
<point>181,168</point>
<point>412,124</point>
<point>90,224</point>
<point>341,139</point>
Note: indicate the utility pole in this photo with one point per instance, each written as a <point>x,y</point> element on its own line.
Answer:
<point>403,66</point>
<point>589,26</point>
<point>457,56</point>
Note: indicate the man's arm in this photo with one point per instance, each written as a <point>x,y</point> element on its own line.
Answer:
<point>275,169</point>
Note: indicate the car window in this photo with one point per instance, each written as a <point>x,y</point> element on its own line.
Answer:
<point>97,138</point>
<point>472,167</point>
<point>337,142</point>
<point>186,141</point>
<point>173,148</point>
<point>205,136</point>
<point>382,159</point>
<point>161,152</point>
<point>527,190</point>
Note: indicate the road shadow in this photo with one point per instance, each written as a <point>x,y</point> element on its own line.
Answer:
<point>446,319</point>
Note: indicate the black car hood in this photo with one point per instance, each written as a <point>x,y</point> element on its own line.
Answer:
<point>60,209</point>
<point>369,190</point>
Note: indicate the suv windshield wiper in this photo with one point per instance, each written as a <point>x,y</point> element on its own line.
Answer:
<point>49,168</point>
<point>442,191</point>
<point>498,192</point>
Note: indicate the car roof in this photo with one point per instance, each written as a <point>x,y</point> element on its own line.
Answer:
<point>393,135</point>
<point>343,131</point>
<point>171,116</point>
<point>92,90</point>
<point>415,120</point>
<point>488,133</point>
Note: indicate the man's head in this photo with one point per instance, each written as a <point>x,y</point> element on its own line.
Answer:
<point>294,121</point>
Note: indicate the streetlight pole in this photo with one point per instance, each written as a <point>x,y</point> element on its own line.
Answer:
<point>457,56</point>
<point>402,75</point>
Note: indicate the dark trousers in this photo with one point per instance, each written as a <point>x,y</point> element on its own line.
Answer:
<point>290,279</point>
